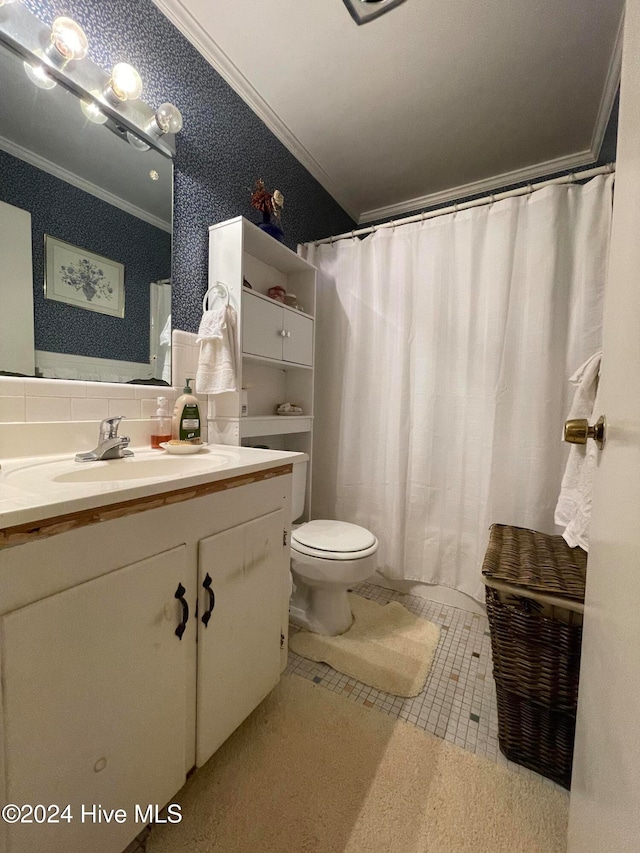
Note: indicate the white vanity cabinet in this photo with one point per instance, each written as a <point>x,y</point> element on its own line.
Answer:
<point>104,699</point>
<point>94,702</point>
<point>239,626</point>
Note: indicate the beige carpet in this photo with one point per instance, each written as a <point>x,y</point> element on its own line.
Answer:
<point>386,647</point>
<point>313,772</point>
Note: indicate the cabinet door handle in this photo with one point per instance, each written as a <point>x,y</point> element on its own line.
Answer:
<point>206,583</point>
<point>288,334</point>
<point>283,333</point>
<point>185,611</point>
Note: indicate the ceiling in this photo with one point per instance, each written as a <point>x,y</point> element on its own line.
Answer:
<point>436,100</point>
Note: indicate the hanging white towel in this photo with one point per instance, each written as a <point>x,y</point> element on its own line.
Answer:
<point>217,364</point>
<point>573,510</point>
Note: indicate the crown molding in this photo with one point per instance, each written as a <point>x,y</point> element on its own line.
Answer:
<point>518,176</point>
<point>193,31</point>
<point>58,172</point>
<point>611,85</point>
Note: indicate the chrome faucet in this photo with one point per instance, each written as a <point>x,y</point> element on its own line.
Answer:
<point>110,444</point>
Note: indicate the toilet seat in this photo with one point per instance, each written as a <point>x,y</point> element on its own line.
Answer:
<point>328,539</point>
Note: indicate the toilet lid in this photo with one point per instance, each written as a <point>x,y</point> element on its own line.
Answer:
<point>334,536</point>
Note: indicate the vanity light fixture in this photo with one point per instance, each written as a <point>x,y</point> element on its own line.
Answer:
<point>51,56</point>
<point>124,84</point>
<point>168,119</point>
<point>68,42</point>
<point>38,74</point>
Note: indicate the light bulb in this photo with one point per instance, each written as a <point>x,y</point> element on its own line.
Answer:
<point>38,75</point>
<point>136,142</point>
<point>168,118</point>
<point>125,83</point>
<point>93,112</point>
<point>68,39</point>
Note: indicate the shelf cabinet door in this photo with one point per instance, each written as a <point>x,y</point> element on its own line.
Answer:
<point>239,648</point>
<point>261,327</point>
<point>95,704</point>
<point>298,343</point>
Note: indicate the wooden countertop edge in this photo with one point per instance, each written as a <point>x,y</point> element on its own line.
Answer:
<point>40,529</point>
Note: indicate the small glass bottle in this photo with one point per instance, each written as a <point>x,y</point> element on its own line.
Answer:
<point>160,424</point>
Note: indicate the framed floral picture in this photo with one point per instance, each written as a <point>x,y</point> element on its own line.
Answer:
<point>82,278</point>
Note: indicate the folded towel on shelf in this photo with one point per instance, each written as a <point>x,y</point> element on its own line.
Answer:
<point>217,364</point>
<point>573,510</point>
<point>288,409</point>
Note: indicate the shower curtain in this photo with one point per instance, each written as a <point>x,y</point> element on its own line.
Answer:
<point>443,350</point>
<point>160,332</point>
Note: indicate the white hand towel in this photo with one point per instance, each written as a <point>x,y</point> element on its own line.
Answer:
<point>573,510</point>
<point>217,364</point>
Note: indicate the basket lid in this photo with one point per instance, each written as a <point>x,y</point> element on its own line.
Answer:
<point>536,561</point>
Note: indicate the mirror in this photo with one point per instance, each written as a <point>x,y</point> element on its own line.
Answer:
<point>85,241</point>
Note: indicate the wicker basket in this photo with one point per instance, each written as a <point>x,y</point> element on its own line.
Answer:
<point>535,589</point>
<point>536,736</point>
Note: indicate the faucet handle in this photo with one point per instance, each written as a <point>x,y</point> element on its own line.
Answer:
<point>109,427</point>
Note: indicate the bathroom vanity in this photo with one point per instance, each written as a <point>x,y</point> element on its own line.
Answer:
<point>142,618</point>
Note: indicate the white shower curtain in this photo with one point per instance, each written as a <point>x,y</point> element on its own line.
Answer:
<point>160,332</point>
<point>443,350</point>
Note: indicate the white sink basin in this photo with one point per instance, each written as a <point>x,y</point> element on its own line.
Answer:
<point>38,487</point>
<point>141,466</point>
<point>136,468</point>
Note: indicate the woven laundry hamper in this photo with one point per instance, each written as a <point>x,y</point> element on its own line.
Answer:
<point>535,601</point>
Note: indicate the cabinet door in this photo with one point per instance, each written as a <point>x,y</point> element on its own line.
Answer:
<point>298,343</point>
<point>239,648</point>
<point>261,327</point>
<point>94,703</point>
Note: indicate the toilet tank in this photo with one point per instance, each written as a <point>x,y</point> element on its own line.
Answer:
<point>299,485</point>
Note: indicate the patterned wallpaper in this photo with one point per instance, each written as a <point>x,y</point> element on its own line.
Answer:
<point>223,148</point>
<point>70,214</point>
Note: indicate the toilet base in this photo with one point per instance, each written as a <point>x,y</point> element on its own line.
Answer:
<point>322,611</point>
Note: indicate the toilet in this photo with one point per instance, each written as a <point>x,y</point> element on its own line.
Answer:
<point>327,557</point>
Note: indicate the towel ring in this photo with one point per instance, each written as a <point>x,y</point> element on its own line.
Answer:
<point>220,289</point>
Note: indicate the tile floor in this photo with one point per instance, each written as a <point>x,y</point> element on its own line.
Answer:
<point>458,702</point>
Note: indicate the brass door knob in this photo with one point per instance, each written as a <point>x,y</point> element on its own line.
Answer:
<point>577,431</point>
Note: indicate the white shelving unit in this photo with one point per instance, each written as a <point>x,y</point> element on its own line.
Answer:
<point>277,342</point>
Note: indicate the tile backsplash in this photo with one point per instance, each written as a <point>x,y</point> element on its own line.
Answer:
<point>56,402</point>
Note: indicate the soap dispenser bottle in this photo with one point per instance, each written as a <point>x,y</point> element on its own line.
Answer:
<point>160,424</point>
<point>186,416</point>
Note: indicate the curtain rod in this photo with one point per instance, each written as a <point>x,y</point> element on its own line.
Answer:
<point>478,202</point>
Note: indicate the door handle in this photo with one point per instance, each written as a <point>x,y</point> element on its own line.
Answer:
<point>185,611</point>
<point>206,583</point>
<point>577,431</point>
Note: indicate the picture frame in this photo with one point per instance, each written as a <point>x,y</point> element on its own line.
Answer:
<point>82,278</point>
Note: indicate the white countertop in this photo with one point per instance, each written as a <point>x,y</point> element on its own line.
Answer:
<point>42,487</point>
